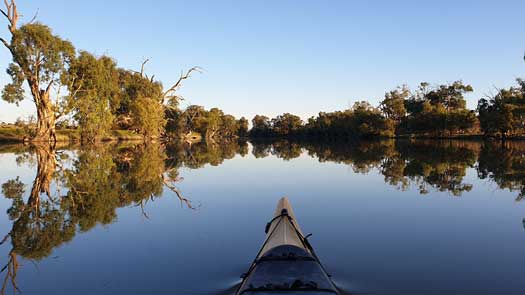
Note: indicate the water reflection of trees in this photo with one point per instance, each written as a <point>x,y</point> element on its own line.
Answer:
<point>504,164</point>
<point>426,165</point>
<point>76,193</point>
<point>76,189</point>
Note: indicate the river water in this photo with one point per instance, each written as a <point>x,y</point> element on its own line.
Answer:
<point>387,217</point>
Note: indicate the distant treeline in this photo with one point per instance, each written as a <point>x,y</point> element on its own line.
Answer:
<point>438,111</point>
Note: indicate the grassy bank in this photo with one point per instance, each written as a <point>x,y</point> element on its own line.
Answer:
<point>18,134</point>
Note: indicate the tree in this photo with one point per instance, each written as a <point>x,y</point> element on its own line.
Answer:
<point>450,96</point>
<point>504,114</point>
<point>139,91</point>
<point>437,110</point>
<point>367,121</point>
<point>134,85</point>
<point>229,127</point>
<point>393,106</point>
<point>213,122</point>
<point>140,106</point>
<point>260,126</point>
<point>286,124</point>
<point>93,85</point>
<point>243,127</point>
<point>192,119</point>
<point>148,117</point>
<point>39,59</point>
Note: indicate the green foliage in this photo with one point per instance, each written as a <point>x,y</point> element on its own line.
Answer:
<point>40,53</point>
<point>229,127</point>
<point>286,124</point>
<point>13,92</point>
<point>368,121</point>
<point>39,57</point>
<point>504,165</point>
<point>93,188</point>
<point>427,166</point>
<point>504,114</point>
<point>13,188</point>
<point>212,124</point>
<point>261,126</point>
<point>135,86</point>
<point>140,105</point>
<point>243,127</point>
<point>438,110</point>
<point>148,117</point>
<point>362,120</point>
<point>393,106</point>
<point>93,84</point>
<point>36,233</point>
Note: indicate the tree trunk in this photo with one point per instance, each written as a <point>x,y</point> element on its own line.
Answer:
<point>46,119</point>
<point>44,175</point>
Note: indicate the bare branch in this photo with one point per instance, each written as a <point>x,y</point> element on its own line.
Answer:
<point>177,192</point>
<point>8,9</point>
<point>5,43</point>
<point>5,238</point>
<point>49,86</point>
<point>142,66</point>
<point>11,14</point>
<point>178,84</point>
<point>141,204</point>
<point>34,17</point>
<point>12,268</point>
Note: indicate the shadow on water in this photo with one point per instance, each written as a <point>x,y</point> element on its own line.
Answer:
<point>77,188</point>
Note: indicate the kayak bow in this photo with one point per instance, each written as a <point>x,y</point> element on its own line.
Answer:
<point>286,262</point>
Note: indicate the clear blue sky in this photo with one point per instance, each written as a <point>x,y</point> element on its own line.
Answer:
<point>270,57</point>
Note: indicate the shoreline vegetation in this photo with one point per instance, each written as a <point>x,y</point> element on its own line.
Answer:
<point>83,97</point>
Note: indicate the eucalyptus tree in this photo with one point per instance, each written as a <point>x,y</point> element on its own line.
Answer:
<point>504,114</point>
<point>243,127</point>
<point>145,105</point>
<point>39,58</point>
<point>286,125</point>
<point>93,85</point>
<point>261,126</point>
<point>393,105</point>
<point>439,109</point>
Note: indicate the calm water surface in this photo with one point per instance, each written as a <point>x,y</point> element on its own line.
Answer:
<point>422,217</point>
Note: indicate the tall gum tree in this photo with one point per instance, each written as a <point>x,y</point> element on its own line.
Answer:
<point>39,58</point>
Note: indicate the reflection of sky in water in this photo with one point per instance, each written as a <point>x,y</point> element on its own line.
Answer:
<point>371,237</point>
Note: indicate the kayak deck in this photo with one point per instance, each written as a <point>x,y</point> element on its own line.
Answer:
<point>281,231</point>
<point>286,263</point>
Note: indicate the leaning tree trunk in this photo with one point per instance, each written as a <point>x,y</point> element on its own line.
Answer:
<point>44,175</point>
<point>28,221</point>
<point>45,131</point>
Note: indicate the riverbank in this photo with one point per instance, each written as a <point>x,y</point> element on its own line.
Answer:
<point>13,134</point>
